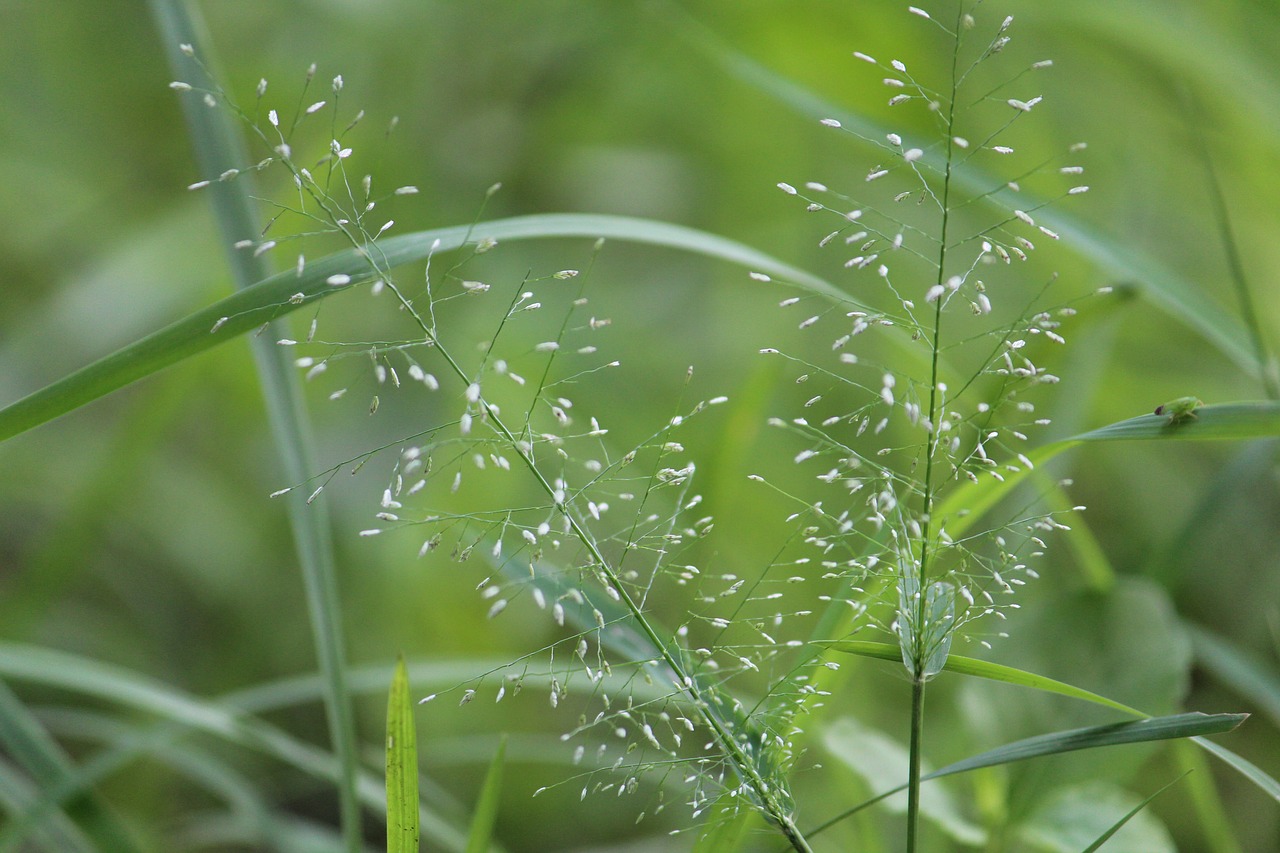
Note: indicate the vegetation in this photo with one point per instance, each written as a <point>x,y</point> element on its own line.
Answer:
<point>680,494</point>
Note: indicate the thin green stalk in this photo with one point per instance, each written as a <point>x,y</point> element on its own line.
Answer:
<point>219,147</point>
<point>1267,367</point>
<point>913,776</point>
<point>920,654</point>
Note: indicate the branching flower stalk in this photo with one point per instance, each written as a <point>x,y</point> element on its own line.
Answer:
<point>769,798</point>
<point>939,585</point>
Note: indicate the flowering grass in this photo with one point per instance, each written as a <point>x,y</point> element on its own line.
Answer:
<point>735,685</point>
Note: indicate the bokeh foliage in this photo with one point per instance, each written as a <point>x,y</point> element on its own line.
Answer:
<point>137,532</point>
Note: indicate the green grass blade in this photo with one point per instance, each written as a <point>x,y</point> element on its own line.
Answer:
<point>220,147</point>
<point>119,686</point>
<point>1267,366</point>
<point>127,739</point>
<point>270,298</point>
<point>1248,769</point>
<point>1192,725</point>
<point>1224,422</point>
<point>402,766</point>
<point>486,811</point>
<point>1104,837</point>
<point>57,835</point>
<point>28,744</point>
<point>1162,286</point>
<point>984,669</point>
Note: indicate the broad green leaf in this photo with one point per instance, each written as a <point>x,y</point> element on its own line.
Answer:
<point>285,292</point>
<point>402,766</point>
<point>486,811</point>
<point>724,828</point>
<point>966,504</point>
<point>985,669</point>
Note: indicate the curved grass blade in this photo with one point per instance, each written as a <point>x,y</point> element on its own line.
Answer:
<point>1248,769</point>
<point>58,833</point>
<point>282,293</point>
<point>965,505</point>
<point>486,812</point>
<point>1163,287</point>
<point>120,686</point>
<point>402,766</point>
<point>962,665</point>
<point>220,147</point>
<point>126,736</point>
<point>27,743</point>
<point>1104,837</point>
<point>1193,725</point>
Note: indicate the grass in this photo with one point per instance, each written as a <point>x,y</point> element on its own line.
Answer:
<point>609,587</point>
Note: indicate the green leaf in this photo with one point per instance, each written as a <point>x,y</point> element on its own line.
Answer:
<point>26,742</point>
<point>1192,725</point>
<point>1248,769</point>
<point>219,146</point>
<point>966,504</point>
<point>985,669</point>
<point>486,812</point>
<point>402,766</point>
<point>285,292</point>
<point>1104,837</point>
<point>724,828</point>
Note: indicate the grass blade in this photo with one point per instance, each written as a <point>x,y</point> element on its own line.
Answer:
<point>1224,422</point>
<point>1179,725</point>
<point>402,766</point>
<point>1102,839</point>
<point>232,725</point>
<point>269,299</point>
<point>26,742</point>
<point>1248,769</point>
<point>984,669</point>
<point>1193,725</point>
<point>219,147</point>
<point>486,811</point>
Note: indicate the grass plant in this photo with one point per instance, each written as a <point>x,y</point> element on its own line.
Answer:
<point>908,479</point>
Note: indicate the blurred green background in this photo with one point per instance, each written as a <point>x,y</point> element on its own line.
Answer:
<point>138,531</point>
